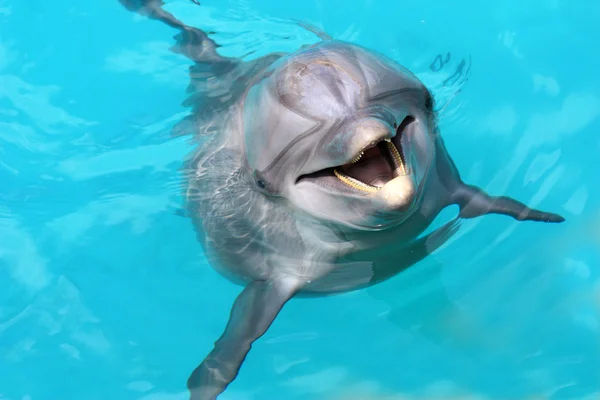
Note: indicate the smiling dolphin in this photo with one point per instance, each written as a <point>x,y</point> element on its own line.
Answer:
<point>318,172</point>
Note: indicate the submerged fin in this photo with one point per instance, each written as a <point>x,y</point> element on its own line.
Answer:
<point>253,312</point>
<point>216,82</point>
<point>191,42</point>
<point>474,202</point>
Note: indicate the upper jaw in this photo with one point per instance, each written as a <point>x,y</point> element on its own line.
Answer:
<point>366,134</point>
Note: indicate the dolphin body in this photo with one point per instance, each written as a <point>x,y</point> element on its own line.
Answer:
<point>319,171</point>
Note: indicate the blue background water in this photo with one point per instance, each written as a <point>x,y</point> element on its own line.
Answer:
<point>104,292</point>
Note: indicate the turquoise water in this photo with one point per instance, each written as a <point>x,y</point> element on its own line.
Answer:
<point>105,293</point>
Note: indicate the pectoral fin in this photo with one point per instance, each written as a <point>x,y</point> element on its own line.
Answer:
<point>253,312</point>
<point>474,202</point>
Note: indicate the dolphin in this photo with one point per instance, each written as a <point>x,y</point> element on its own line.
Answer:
<point>317,172</point>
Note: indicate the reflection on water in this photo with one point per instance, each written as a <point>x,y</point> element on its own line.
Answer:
<point>104,281</point>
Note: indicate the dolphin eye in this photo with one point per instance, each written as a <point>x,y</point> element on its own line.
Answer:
<point>260,181</point>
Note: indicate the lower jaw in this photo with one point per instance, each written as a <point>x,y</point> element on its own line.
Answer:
<point>362,186</point>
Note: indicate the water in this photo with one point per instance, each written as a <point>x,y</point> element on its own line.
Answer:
<point>105,291</point>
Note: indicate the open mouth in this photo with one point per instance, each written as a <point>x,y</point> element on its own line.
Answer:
<point>371,169</point>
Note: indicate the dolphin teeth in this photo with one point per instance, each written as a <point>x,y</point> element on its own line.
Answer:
<point>396,158</point>
<point>355,183</point>
<point>357,158</point>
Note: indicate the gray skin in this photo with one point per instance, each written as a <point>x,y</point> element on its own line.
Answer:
<point>269,213</point>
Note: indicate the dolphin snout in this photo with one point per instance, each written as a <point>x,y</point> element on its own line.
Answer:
<point>397,195</point>
<point>367,132</point>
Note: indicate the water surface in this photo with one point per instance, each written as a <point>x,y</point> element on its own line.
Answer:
<point>106,294</point>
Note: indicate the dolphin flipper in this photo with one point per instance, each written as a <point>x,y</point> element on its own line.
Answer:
<point>191,42</point>
<point>252,313</point>
<point>216,81</point>
<point>474,202</point>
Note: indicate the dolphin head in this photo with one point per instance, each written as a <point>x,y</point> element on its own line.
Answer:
<point>343,133</point>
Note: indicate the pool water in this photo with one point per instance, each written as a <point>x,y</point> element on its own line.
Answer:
<point>104,290</point>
